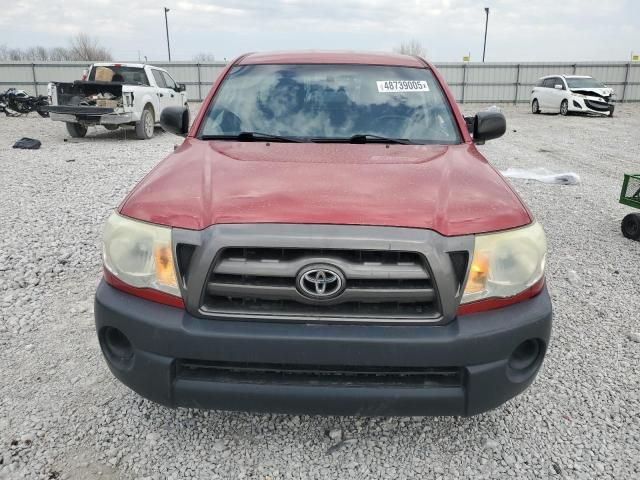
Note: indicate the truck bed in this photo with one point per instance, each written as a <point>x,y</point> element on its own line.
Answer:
<point>83,93</point>
<point>90,87</point>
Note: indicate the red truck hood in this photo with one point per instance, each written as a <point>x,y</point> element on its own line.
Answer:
<point>449,189</point>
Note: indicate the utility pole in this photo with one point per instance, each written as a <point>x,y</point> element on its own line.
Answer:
<point>166,24</point>
<point>486,25</point>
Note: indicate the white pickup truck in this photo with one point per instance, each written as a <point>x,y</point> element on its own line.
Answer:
<point>113,95</point>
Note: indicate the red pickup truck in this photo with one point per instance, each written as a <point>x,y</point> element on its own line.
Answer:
<point>326,240</point>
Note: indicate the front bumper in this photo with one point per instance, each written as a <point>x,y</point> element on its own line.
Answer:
<point>590,105</point>
<point>164,339</point>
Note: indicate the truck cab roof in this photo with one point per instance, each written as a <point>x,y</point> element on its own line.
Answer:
<point>116,64</point>
<point>565,76</point>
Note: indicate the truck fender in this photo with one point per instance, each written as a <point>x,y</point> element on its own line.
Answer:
<point>154,110</point>
<point>142,96</point>
<point>148,99</point>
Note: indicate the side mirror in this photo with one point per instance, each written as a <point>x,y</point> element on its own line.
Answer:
<point>469,121</point>
<point>175,120</point>
<point>558,86</point>
<point>180,87</point>
<point>487,126</point>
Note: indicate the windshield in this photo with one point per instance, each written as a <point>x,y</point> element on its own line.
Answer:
<point>332,102</point>
<point>113,73</point>
<point>584,83</point>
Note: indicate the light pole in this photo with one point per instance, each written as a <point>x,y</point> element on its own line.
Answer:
<point>486,25</point>
<point>166,24</point>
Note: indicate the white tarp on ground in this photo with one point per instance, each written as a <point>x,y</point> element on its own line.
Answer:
<point>543,175</point>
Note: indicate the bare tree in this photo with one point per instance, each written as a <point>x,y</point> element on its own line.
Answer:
<point>36,54</point>
<point>84,47</point>
<point>413,47</point>
<point>16,54</point>
<point>59,54</point>
<point>204,57</point>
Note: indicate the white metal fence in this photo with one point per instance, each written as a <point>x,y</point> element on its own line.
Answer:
<point>470,82</point>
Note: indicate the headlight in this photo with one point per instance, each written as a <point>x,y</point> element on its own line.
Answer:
<point>506,263</point>
<point>140,254</point>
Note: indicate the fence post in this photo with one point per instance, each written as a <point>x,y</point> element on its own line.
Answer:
<point>626,81</point>
<point>35,83</point>
<point>515,99</point>
<point>199,83</point>
<point>464,79</point>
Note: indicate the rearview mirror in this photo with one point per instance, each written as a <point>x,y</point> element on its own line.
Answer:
<point>558,86</point>
<point>175,120</point>
<point>487,126</point>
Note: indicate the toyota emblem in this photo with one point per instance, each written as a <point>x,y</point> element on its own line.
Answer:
<point>320,282</point>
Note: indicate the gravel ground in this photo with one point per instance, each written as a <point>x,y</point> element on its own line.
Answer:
<point>63,415</point>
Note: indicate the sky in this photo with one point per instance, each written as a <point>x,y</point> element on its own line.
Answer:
<point>519,30</point>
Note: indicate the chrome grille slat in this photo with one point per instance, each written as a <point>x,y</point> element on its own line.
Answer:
<point>367,295</point>
<point>238,290</point>
<point>290,268</point>
<point>406,295</point>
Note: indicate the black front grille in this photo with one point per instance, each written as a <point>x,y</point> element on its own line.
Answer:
<point>378,285</point>
<point>601,106</point>
<point>318,375</point>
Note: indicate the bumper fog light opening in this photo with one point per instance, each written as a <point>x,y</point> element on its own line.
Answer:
<point>116,347</point>
<point>525,360</point>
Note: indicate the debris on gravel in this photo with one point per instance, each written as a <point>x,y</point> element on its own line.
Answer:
<point>64,416</point>
<point>490,444</point>
<point>573,277</point>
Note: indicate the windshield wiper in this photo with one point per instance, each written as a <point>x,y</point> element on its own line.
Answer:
<point>253,137</point>
<point>363,138</point>
<point>366,137</point>
<point>261,137</point>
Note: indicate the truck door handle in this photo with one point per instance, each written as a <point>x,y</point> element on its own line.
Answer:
<point>172,95</point>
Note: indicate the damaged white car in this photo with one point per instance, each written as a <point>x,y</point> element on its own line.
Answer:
<point>115,95</point>
<point>572,93</point>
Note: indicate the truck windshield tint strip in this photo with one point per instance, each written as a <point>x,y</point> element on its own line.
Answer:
<point>332,102</point>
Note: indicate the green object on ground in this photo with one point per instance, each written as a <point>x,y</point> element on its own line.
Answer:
<point>630,194</point>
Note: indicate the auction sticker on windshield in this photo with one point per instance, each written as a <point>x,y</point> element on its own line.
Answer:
<point>394,86</point>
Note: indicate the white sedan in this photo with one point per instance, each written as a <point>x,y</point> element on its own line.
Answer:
<point>572,93</point>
